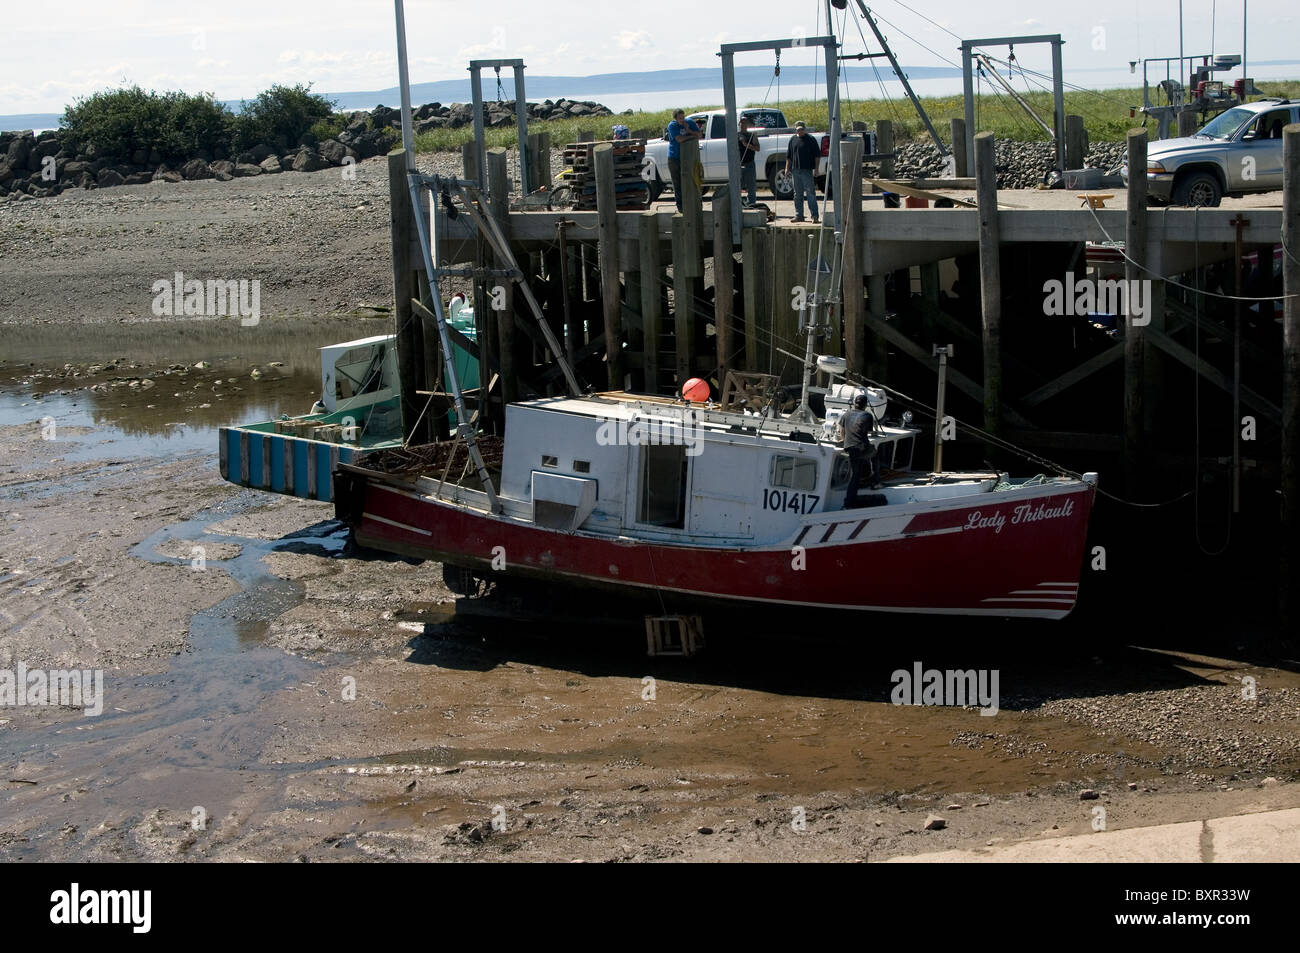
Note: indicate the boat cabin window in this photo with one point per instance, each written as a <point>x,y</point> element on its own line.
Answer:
<point>550,461</point>
<point>358,371</point>
<point>663,485</point>
<point>581,466</point>
<point>794,473</point>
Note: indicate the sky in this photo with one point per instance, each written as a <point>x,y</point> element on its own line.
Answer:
<point>235,49</point>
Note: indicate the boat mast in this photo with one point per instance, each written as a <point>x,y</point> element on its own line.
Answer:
<point>464,430</point>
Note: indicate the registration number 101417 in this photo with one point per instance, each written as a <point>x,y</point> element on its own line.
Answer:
<point>790,501</point>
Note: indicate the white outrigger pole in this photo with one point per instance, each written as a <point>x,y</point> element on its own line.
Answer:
<point>468,191</point>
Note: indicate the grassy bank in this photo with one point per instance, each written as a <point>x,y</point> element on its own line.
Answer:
<point>1105,116</point>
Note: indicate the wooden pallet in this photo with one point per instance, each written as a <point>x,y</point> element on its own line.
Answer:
<point>630,190</point>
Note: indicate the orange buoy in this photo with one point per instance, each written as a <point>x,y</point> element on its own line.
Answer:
<point>696,390</point>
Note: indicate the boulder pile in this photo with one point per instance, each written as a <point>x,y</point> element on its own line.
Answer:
<point>36,166</point>
<point>1020,165</point>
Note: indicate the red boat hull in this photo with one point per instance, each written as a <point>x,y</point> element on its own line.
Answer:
<point>1014,554</point>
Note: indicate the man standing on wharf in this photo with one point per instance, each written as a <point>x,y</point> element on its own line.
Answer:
<point>801,157</point>
<point>679,130</point>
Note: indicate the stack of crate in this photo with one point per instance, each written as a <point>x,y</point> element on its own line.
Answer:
<point>630,190</point>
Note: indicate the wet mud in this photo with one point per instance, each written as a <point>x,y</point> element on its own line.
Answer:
<point>270,694</point>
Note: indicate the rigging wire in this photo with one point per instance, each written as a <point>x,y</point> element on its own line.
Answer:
<point>927,19</point>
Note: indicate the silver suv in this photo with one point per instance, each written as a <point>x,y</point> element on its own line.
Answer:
<point>1238,151</point>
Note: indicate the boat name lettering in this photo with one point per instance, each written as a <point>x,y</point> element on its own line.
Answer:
<point>1024,513</point>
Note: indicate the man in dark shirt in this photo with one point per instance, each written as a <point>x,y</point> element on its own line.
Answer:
<point>679,130</point>
<point>859,424</point>
<point>747,143</point>
<point>801,158</point>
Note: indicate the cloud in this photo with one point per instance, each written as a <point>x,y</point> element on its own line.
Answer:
<point>633,40</point>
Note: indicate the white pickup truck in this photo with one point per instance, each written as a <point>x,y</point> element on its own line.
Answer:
<point>774,136</point>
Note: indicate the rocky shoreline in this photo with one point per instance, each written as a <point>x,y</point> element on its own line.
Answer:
<point>39,166</point>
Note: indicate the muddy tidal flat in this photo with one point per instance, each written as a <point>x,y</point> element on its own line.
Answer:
<point>309,703</point>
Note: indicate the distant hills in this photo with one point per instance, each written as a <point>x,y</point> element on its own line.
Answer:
<point>606,84</point>
<point>570,87</point>
<point>610,85</point>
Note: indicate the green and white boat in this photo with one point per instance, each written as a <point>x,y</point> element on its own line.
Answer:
<point>359,410</point>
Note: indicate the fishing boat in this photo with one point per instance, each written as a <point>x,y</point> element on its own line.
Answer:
<point>358,410</point>
<point>635,493</point>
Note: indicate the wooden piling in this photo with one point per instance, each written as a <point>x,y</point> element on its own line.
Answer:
<point>1188,122</point>
<point>692,208</point>
<point>755,246</point>
<point>885,146</point>
<point>930,294</point>
<point>853,295</point>
<point>433,366</point>
<point>1135,240</point>
<point>539,161</point>
<point>1290,561</point>
<point>410,343</point>
<point>651,296</point>
<point>502,289</point>
<point>482,317</point>
<point>724,287</point>
<point>683,301</point>
<point>610,290</point>
<point>990,279</point>
<point>1076,142</point>
<point>961,163</point>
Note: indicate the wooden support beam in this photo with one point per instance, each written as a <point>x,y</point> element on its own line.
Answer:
<point>410,343</point>
<point>1207,324</point>
<point>439,426</point>
<point>955,377</point>
<point>724,286</point>
<point>693,210</point>
<point>877,359</point>
<point>961,163</point>
<point>611,290</point>
<point>990,251</point>
<point>929,295</point>
<point>1187,357</point>
<point>1067,440</point>
<point>885,147</point>
<point>502,292</point>
<point>1073,376</point>
<point>683,300</point>
<point>1290,482</point>
<point>652,297</point>
<point>853,293</point>
<point>755,244</point>
<point>1134,342</point>
<point>1076,142</point>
